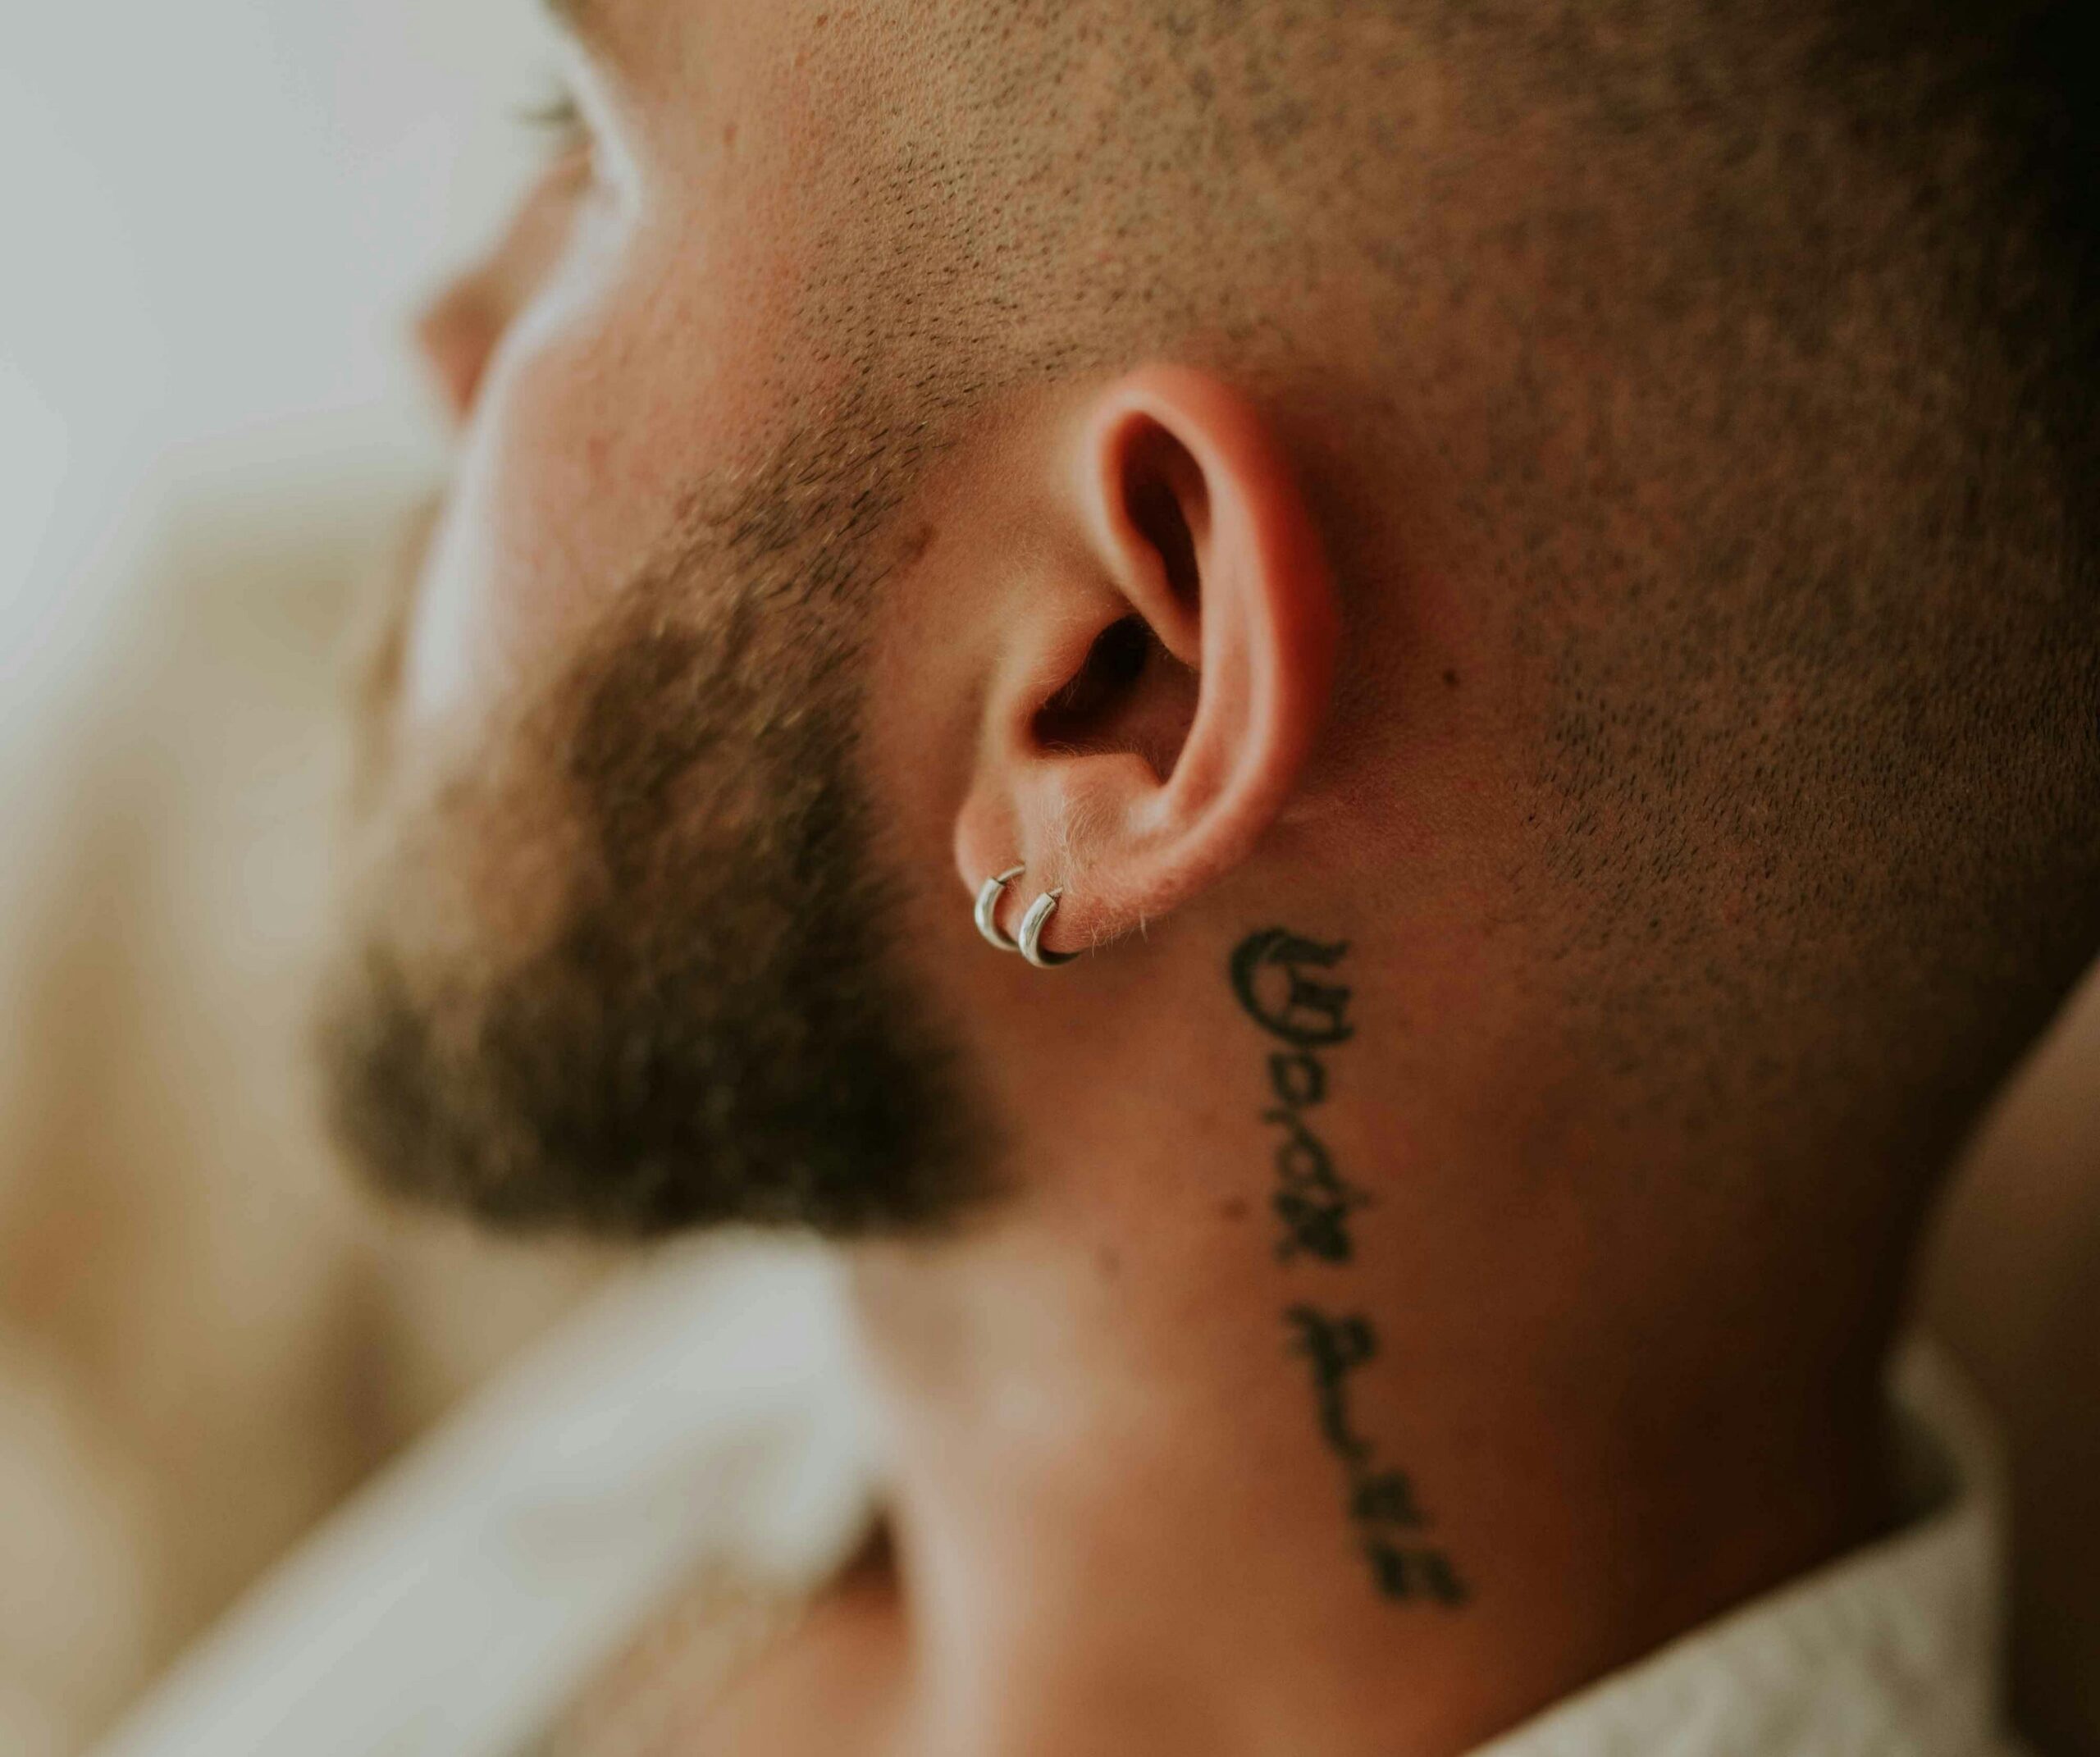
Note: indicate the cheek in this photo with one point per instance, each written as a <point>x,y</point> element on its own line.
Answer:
<point>595,428</point>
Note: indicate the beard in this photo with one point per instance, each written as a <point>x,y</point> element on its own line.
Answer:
<point>629,967</point>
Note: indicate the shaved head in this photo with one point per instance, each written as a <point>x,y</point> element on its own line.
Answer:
<point>1510,585</point>
<point>1736,361</point>
<point>1755,347</point>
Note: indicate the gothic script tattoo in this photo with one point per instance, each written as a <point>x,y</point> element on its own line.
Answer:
<point>1273,977</point>
<point>1313,1201</point>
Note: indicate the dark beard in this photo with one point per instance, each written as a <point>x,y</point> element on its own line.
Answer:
<point>702,1024</point>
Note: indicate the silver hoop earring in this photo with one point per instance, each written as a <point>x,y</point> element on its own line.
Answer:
<point>988,909</point>
<point>1032,925</point>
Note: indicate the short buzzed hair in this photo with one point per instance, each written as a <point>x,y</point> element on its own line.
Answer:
<point>1740,354</point>
<point>1760,335</point>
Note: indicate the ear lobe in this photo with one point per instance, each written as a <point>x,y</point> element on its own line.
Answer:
<point>1159,695</point>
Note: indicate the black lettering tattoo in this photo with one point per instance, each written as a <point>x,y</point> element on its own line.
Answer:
<point>1299,1079</point>
<point>1320,1229</point>
<point>1314,1202</point>
<point>1382,1503</point>
<point>1307,1014</point>
<point>1415,1574</point>
<point>1386,1497</point>
<point>1337,1347</point>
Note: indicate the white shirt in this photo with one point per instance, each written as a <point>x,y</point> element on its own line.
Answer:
<point>704,1415</point>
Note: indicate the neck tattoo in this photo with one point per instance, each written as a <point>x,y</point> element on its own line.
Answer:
<point>1287,985</point>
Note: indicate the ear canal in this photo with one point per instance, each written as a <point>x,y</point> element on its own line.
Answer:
<point>1113,665</point>
<point>1130,696</point>
<point>1136,691</point>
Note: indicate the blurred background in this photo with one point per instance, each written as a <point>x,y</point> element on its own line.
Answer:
<point>215,219</point>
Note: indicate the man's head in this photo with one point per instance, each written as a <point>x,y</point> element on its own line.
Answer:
<point>1584,502</point>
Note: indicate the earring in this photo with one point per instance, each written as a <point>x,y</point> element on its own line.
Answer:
<point>988,909</point>
<point>1032,925</point>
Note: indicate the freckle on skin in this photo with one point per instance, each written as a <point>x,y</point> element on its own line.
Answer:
<point>1233,1210</point>
<point>729,135</point>
<point>1451,679</point>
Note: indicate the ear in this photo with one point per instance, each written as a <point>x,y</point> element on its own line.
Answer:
<point>1156,695</point>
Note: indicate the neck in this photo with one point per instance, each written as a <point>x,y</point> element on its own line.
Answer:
<point>1123,1480</point>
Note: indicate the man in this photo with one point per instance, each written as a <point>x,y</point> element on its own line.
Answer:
<point>1511,586</point>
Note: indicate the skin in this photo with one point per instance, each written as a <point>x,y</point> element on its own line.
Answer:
<point>1120,1516</point>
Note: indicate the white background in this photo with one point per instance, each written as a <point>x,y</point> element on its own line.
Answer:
<point>215,217</point>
